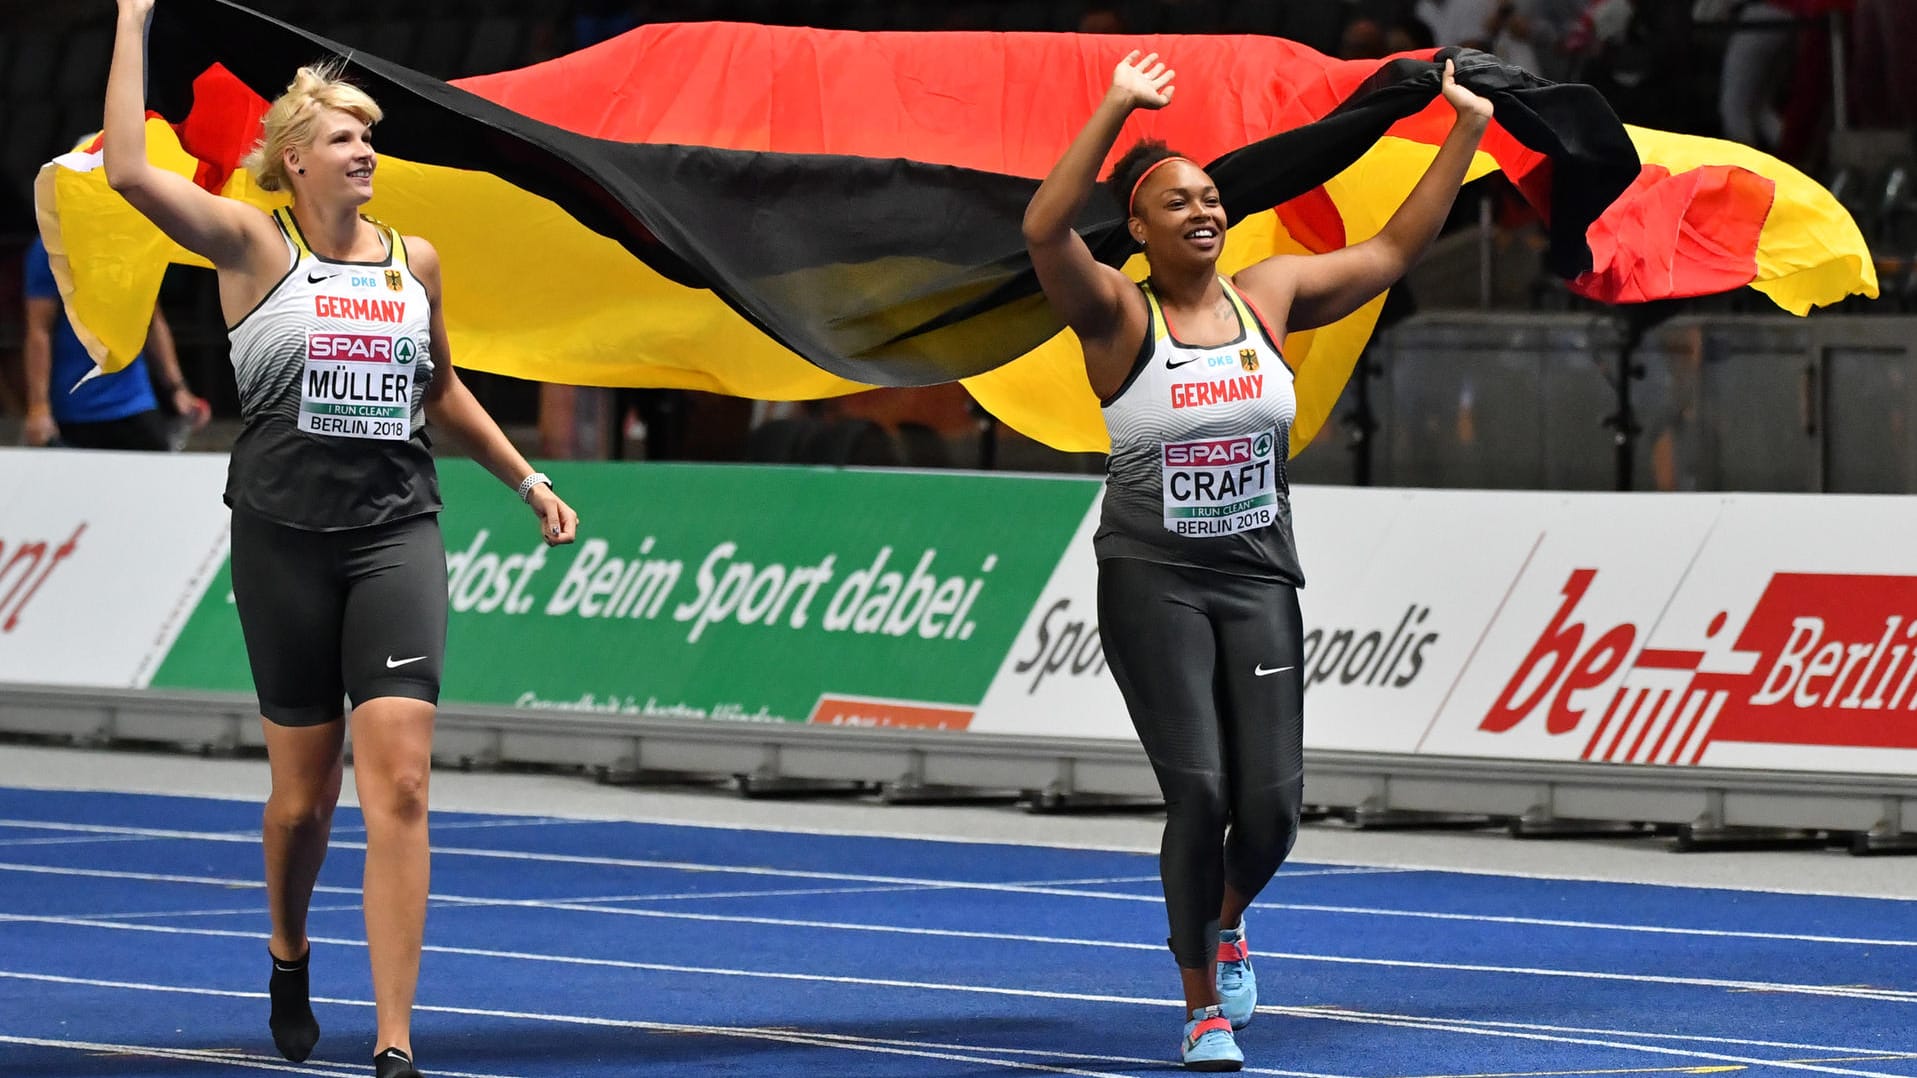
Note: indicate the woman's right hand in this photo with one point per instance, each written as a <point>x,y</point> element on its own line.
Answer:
<point>137,9</point>
<point>1140,84</point>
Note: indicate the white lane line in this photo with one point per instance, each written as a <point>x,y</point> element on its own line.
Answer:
<point>233,882</point>
<point>1055,889</point>
<point>1091,1057</point>
<point>186,1055</point>
<point>133,833</point>
<point>1350,870</point>
<point>25,783</point>
<point>1881,995</point>
<point>1844,991</point>
<point>226,1058</point>
<point>237,911</point>
<point>627,862</point>
<point>455,900</point>
<point>1441,1026</point>
<point>472,825</point>
<point>783,1036</point>
<point>1795,1046</point>
<point>73,840</point>
<point>130,832</point>
<point>122,833</point>
<point>1602,926</point>
<point>444,900</point>
<point>783,892</point>
<point>788,922</point>
<point>813,1039</point>
<point>794,892</point>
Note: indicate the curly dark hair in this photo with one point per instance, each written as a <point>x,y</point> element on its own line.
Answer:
<point>1144,153</point>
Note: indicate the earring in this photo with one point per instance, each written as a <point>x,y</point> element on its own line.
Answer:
<point>302,172</point>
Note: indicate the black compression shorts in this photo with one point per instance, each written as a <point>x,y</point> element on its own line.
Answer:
<point>359,614</point>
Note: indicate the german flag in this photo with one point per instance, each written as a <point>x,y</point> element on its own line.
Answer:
<point>790,213</point>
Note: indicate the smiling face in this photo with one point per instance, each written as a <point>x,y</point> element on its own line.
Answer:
<point>1177,215</point>
<point>339,162</point>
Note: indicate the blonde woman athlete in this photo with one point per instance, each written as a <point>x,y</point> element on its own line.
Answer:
<point>339,573</point>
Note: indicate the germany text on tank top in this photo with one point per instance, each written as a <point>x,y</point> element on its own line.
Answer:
<point>332,368</point>
<point>1199,438</point>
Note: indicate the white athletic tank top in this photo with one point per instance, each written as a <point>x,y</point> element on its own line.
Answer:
<point>1199,439</point>
<point>332,368</point>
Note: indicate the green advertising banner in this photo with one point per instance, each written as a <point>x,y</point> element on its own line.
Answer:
<point>726,592</point>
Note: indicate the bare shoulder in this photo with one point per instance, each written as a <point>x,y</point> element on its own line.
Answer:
<point>423,259</point>
<point>1271,284</point>
<point>420,254</point>
<point>1270,280</point>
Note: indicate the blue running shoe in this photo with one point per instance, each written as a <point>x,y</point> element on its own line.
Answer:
<point>1237,984</point>
<point>1209,1045</point>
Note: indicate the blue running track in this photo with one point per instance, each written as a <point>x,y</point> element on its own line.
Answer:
<point>132,943</point>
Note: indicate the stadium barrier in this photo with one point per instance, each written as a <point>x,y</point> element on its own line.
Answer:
<point>1713,659</point>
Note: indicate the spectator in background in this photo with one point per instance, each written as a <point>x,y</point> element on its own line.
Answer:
<point>1883,78</point>
<point>1537,28</point>
<point>1754,55</point>
<point>1363,39</point>
<point>1101,20</point>
<point>1526,33</point>
<point>1643,57</point>
<point>1459,22</point>
<point>1774,86</point>
<point>1406,34</point>
<point>113,411</point>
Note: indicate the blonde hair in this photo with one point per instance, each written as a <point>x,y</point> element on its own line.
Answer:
<point>291,119</point>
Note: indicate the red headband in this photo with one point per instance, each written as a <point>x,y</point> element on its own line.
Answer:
<point>1131,204</point>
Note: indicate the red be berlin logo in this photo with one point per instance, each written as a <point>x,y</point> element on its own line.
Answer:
<point>1824,660</point>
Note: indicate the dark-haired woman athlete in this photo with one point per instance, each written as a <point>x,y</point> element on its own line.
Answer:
<point>1197,570</point>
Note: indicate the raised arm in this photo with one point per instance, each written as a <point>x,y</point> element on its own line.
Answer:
<point>1088,294</point>
<point>226,232</point>
<point>1317,290</point>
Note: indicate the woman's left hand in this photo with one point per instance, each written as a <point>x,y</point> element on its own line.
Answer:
<point>557,522</point>
<point>1467,103</point>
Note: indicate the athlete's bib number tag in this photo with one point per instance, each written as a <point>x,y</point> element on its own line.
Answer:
<point>358,385</point>
<point>1221,486</point>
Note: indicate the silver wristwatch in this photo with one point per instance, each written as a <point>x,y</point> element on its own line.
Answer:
<point>527,484</point>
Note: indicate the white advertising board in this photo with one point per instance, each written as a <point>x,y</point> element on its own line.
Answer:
<point>1773,632</point>
<point>102,556</point>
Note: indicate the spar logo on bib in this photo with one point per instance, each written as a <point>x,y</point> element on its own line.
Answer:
<point>363,347</point>
<point>1220,486</point>
<point>358,385</point>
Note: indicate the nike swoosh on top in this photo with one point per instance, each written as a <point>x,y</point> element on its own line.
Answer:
<point>1170,366</point>
<point>392,663</point>
<point>1260,670</point>
<point>315,278</point>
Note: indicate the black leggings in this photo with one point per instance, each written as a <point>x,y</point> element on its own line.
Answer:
<point>1209,666</point>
